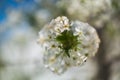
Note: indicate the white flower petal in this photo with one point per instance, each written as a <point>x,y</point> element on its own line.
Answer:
<point>55,57</point>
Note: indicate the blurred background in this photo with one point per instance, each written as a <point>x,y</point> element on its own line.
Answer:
<point>21,20</point>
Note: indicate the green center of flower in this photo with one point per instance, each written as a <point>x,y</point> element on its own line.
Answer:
<point>68,41</point>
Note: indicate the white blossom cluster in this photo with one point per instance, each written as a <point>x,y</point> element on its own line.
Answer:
<point>86,10</point>
<point>66,44</point>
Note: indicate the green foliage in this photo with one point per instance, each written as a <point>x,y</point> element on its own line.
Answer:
<point>68,41</point>
<point>116,5</point>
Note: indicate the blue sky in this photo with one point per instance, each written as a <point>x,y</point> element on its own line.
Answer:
<point>12,4</point>
<point>5,5</point>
